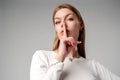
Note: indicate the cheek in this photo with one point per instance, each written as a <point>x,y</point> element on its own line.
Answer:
<point>57,30</point>
<point>75,28</point>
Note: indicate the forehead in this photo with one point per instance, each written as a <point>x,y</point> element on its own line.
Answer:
<point>63,12</point>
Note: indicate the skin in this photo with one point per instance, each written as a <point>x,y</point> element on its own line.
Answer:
<point>67,27</point>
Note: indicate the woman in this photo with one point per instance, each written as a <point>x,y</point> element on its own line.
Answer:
<point>67,61</point>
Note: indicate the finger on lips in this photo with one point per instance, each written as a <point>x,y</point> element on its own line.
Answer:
<point>64,33</point>
<point>70,40</point>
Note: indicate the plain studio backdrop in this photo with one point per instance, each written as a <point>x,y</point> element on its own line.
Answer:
<point>26,26</point>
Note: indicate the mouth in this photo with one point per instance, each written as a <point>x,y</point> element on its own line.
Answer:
<point>67,33</point>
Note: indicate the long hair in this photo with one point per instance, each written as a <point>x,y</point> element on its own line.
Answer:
<point>81,47</point>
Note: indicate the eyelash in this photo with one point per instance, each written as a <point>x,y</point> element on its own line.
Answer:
<point>57,22</point>
<point>71,19</point>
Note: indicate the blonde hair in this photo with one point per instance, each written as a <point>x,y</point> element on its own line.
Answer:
<point>81,47</point>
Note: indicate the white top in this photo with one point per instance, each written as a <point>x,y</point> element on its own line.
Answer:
<point>44,66</point>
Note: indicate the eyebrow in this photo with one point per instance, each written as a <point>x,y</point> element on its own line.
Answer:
<point>65,16</point>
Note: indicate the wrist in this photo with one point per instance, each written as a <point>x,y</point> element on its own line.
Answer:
<point>60,58</point>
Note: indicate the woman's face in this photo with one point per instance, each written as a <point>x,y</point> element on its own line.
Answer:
<point>66,20</point>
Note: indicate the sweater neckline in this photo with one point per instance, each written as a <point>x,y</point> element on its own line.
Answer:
<point>71,59</point>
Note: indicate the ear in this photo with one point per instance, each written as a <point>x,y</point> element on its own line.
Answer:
<point>81,26</point>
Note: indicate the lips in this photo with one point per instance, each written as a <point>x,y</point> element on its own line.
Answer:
<point>67,32</point>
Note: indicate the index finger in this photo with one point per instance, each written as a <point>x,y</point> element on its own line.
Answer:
<point>64,33</point>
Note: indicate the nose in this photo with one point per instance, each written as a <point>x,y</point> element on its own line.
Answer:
<point>64,25</point>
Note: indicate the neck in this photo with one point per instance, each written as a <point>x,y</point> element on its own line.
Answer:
<point>73,54</point>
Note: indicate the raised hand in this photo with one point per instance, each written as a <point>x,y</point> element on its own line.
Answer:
<point>67,44</point>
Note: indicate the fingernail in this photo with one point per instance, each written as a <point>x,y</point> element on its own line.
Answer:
<point>78,42</point>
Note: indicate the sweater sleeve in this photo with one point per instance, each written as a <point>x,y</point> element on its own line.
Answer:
<point>103,73</point>
<point>41,70</point>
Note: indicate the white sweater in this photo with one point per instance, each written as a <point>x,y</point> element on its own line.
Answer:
<point>44,66</point>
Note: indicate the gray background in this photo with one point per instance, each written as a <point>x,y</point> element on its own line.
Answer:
<point>26,26</point>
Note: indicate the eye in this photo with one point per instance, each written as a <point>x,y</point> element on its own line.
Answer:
<point>57,22</point>
<point>70,19</point>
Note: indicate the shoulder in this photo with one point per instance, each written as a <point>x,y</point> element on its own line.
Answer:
<point>43,55</point>
<point>87,61</point>
<point>94,63</point>
<point>90,61</point>
<point>96,67</point>
<point>101,71</point>
<point>91,64</point>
